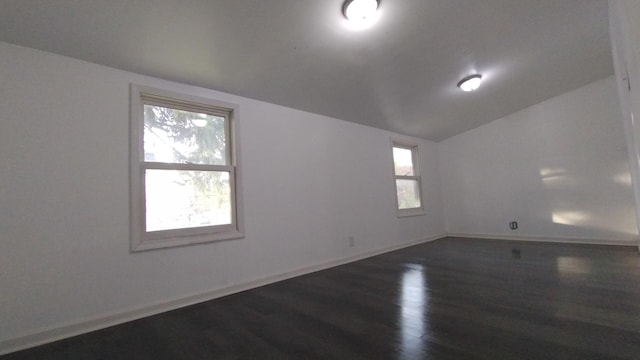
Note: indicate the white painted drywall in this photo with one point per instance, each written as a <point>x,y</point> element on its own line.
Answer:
<point>624,26</point>
<point>559,168</point>
<point>310,182</point>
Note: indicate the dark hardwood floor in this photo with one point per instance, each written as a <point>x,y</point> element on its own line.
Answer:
<point>449,299</point>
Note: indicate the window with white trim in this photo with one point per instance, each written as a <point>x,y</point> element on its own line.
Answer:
<point>407,179</point>
<point>185,181</point>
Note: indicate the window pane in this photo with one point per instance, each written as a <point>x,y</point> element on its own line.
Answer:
<point>186,199</point>
<point>408,194</point>
<point>176,136</point>
<point>403,161</point>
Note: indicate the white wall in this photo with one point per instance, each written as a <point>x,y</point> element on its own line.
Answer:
<point>559,168</point>
<point>309,183</point>
<point>624,23</point>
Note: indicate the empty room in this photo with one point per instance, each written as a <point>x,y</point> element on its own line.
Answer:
<point>297,179</point>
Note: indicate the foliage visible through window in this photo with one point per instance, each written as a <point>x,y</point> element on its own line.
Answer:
<point>187,171</point>
<point>407,178</point>
<point>179,199</point>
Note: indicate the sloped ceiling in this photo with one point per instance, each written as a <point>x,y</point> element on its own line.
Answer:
<point>399,75</point>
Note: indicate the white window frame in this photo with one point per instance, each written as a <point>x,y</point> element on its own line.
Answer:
<point>415,150</point>
<point>147,240</point>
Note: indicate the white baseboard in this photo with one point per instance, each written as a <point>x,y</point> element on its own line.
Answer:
<point>538,238</point>
<point>104,321</point>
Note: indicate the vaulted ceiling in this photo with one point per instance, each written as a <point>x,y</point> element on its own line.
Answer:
<point>398,75</point>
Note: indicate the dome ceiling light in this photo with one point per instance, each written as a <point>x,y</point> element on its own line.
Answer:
<point>361,12</point>
<point>470,83</point>
<point>200,120</point>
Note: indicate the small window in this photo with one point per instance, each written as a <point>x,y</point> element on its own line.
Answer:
<point>407,179</point>
<point>184,170</point>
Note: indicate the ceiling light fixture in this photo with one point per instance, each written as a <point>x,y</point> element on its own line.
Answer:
<point>360,11</point>
<point>470,83</point>
<point>200,120</point>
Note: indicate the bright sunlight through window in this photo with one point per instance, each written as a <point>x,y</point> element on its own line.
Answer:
<point>407,179</point>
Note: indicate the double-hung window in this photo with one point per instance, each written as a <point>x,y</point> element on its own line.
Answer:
<point>407,179</point>
<point>184,170</point>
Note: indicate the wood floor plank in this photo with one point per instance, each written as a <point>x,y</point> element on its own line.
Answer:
<point>454,298</point>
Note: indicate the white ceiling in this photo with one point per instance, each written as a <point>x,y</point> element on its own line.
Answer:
<point>399,75</point>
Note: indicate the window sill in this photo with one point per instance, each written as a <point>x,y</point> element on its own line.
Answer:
<point>411,213</point>
<point>152,244</point>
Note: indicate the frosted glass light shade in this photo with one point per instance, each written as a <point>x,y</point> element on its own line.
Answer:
<point>200,122</point>
<point>470,83</point>
<point>360,10</point>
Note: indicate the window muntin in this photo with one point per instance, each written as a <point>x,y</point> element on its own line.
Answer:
<point>184,170</point>
<point>407,179</point>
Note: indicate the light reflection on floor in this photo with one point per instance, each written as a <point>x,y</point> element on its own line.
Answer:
<point>414,300</point>
<point>573,271</point>
<point>572,265</point>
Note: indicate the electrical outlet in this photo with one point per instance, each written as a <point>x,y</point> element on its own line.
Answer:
<point>513,225</point>
<point>352,241</point>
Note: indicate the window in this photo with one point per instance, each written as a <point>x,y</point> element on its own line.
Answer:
<point>407,179</point>
<point>184,170</point>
